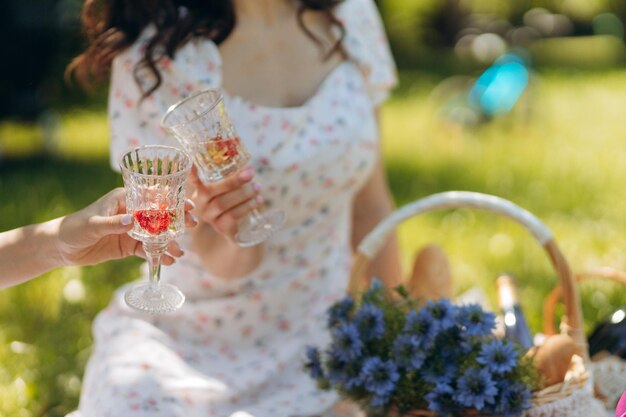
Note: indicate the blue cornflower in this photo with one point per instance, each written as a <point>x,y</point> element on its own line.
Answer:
<point>475,320</point>
<point>337,369</point>
<point>407,352</point>
<point>513,400</point>
<point>441,400</point>
<point>475,388</point>
<point>339,312</point>
<point>421,324</point>
<point>370,321</point>
<point>347,344</point>
<point>457,343</point>
<point>375,290</point>
<point>340,372</point>
<point>443,312</point>
<point>439,371</point>
<point>379,377</point>
<point>313,363</point>
<point>353,380</point>
<point>498,356</point>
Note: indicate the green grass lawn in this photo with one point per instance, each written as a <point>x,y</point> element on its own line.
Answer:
<point>560,155</point>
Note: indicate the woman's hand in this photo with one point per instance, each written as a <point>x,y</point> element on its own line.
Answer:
<point>225,203</point>
<point>97,233</point>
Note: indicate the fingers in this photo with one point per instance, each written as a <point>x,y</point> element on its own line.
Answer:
<point>168,258</point>
<point>194,179</point>
<point>226,202</point>
<point>100,226</point>
<point>174,249</point>
<point>230,183</point>
<point>104,225</point>
<point>113,202</point>
<point>190,219</point>
<point>228,223</point>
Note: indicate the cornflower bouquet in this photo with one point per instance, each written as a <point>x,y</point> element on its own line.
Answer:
<point>401,355</point>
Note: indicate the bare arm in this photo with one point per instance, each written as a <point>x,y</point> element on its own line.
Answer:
<point>222,257</point>
<point>89,236</point>
<point>27,252</point>
<point>372,204</point>
<point>220,207</point>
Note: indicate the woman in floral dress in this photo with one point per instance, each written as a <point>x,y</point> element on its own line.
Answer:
<point>302,80</point>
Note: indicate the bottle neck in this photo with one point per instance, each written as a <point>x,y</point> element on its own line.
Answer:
<point>507,294</point>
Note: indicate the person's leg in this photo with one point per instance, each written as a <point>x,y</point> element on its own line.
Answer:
<point>136,372</point>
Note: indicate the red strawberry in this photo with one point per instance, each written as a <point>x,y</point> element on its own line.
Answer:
<point>230,147</point>
<point>223,150</point>
<point>153,221</point>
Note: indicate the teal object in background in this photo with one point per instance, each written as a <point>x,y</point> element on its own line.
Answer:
<point>497,89</point>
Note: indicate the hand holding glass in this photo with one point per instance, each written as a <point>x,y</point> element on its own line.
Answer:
<point>154,179</point>
<point>203,127</point>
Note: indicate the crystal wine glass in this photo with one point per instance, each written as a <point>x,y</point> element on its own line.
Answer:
<point>202,126</point>
<point>154,178</point>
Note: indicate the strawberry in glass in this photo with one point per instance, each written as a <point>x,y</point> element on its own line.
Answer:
<point>154,221</point>
<point>222,151</point>
<point>203,127</point>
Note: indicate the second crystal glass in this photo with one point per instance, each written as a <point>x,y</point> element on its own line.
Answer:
<point>203,127</point>
<point>154,179</point>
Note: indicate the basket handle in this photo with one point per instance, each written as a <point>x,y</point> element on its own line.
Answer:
<point>372,243</point>
<point>549,305</point>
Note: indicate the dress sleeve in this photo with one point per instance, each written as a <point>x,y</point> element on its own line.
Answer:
<point>135,122</point>
<point>366,44</point>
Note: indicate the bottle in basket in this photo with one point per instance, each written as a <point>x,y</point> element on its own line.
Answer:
<point>514,322</point>
<point>609,335</point>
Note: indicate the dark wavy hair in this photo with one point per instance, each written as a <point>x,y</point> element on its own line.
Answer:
<point>113,25</point>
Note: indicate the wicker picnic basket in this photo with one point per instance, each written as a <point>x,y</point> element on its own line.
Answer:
<point>609,371</point>
<point>570,398</point>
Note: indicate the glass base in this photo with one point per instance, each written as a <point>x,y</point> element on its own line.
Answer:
<point>255,232</point>
<point>164,299</point>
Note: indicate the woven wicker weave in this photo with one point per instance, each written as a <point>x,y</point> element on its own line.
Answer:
<point>609,372</point>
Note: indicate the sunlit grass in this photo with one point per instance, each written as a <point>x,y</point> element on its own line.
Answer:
<point>19,139</point>
<point>76,134</point>
<point>559,155</point>
<point>83,135</point>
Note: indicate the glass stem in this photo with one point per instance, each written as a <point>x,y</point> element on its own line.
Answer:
<point>256,217</point>
<point>153,254</point>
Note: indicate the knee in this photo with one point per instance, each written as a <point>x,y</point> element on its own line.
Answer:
<point>143,398</point>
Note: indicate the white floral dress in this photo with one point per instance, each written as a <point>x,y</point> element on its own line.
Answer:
<point>236,347</point>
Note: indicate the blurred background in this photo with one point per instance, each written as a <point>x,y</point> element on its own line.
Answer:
<point>525,100</point>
